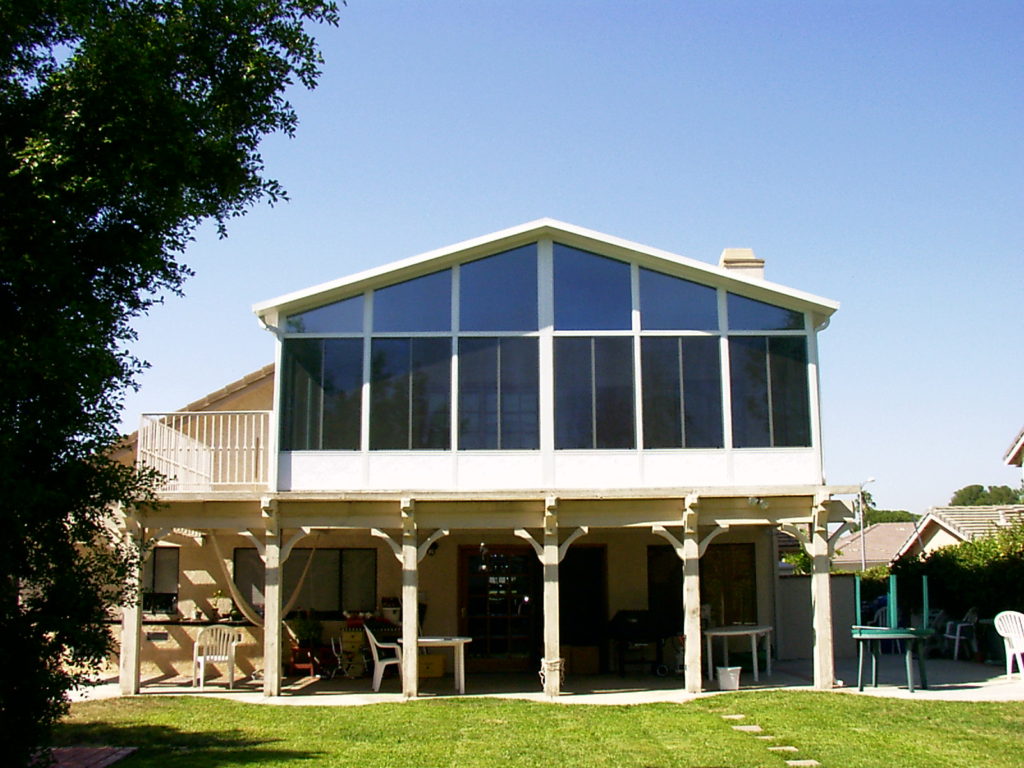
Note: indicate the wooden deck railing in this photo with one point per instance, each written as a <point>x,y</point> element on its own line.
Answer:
<point>206,450</point>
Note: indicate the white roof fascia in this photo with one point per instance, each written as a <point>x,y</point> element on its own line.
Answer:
<point>513,237</point>
<point>1015,456</point>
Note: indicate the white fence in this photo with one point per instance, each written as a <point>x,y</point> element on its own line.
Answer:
<point>206,450</point>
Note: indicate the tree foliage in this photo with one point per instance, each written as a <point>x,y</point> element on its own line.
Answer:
<point>124,124</point>
<point>979,496</point>
<point>986,573</point>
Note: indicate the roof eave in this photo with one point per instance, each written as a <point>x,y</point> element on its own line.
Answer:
<point>268,311</point>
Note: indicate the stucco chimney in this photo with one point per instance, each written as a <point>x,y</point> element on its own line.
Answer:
<point>743,261</point>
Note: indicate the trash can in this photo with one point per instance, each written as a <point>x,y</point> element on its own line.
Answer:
<point>728,678</point>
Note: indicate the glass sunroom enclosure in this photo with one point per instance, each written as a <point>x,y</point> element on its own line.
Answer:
<point>547,365</point>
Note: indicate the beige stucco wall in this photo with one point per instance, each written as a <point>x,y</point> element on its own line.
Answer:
<point>438,580</point>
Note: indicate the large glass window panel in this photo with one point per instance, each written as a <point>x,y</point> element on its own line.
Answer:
<point>410,393</point>
<point>791,413</point>
<point>574,405</point>
<point>670,303</point>
<point>748,375</point>
<point>159,580</point>
<point>702,392</point>
<point>302,394</point>
<point>752,315</point>
<point>594,392</point>
<point>662,392</point>
<point>592,293</point>
<point>423,304</point>
<point>770,396</point>
<point>498,393</point>
<point>499,293</point>
<point>322,394</point>
<point>344,316</point>
<point>613,392</point>
<point>682,393</point>
<point>342,393</point>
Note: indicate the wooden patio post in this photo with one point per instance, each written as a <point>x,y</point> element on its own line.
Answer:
<point>552,641</point>
<point>821,598</point>
<point>131,625</point>
<point>272,607</point>
<point>410,602</point>
<point>691,597</point>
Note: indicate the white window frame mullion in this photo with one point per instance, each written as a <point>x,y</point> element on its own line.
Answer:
<point>638,404</point>
<point>546,352</point>
<point>453,405</point>
<point>724,364</point>
<point>364,406</point>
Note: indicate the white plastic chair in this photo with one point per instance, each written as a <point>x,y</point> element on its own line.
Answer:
<point>214,645</point>
<point>381,661</point>
<point>1010,624</point>
<point>962,631</point>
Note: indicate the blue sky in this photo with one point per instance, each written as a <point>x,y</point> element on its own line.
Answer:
<point>870,152</point>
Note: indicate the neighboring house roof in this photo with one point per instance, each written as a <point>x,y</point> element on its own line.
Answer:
<point>964,523</point>
<point>578,237</point>
<point>1015,454</point>
<point>880,543</point>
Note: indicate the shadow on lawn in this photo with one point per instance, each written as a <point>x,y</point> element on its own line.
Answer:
<point>166,745</point>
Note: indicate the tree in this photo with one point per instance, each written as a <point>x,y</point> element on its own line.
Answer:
<point>874,515</point>
<point>124,125</point>
<point>978,495</point>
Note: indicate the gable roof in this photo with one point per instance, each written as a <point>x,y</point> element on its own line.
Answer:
<point>880,542</point>
<point>270,311</point>
<point>965,523</point>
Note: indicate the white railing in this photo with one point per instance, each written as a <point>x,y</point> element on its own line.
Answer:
<point>206,450</point>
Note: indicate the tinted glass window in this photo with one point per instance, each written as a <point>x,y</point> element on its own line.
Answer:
<point>423,304</point>
<point>591,292</point>
<point>670,303</point>
<point>682,393</point>
<point>322,394</point>
<point>340,317</point>
<point>342,393</point>
<point>499,293</point>
<point>791,412</point>
<point>338,579</point>
<point>750,315</point>
<point>410,393</point>
<point>770,398</point>
<point>498,393</point>
<point>594,393</point>
<point>748,374</point>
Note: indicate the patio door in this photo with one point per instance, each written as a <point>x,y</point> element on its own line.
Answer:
<point>501,607</point>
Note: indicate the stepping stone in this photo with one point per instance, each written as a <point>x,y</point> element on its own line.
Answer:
<point>747,728</point>
<point>782,749</point>
<point>795,763</point>
<point>733,717</point>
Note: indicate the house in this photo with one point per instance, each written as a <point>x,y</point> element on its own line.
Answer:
<point>523,434</point>
<point>880,542</point>
<point>947,526</point>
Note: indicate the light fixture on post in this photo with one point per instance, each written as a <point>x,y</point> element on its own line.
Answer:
<point>860,520</point>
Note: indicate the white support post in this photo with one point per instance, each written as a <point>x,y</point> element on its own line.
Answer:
<point>410,602</point>
<point>551,664</point>
<point>131,625</point>
<point>272,607</point>
<point>691,595</point>
<point>821,598</point>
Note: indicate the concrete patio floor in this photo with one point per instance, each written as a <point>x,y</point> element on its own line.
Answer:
<point>948,681</point>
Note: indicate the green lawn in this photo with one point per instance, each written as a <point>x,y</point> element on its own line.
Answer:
<point>837,730</point>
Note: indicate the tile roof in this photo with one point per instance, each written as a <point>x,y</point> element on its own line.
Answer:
<point>880,541</point>
<point>972,522</point>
